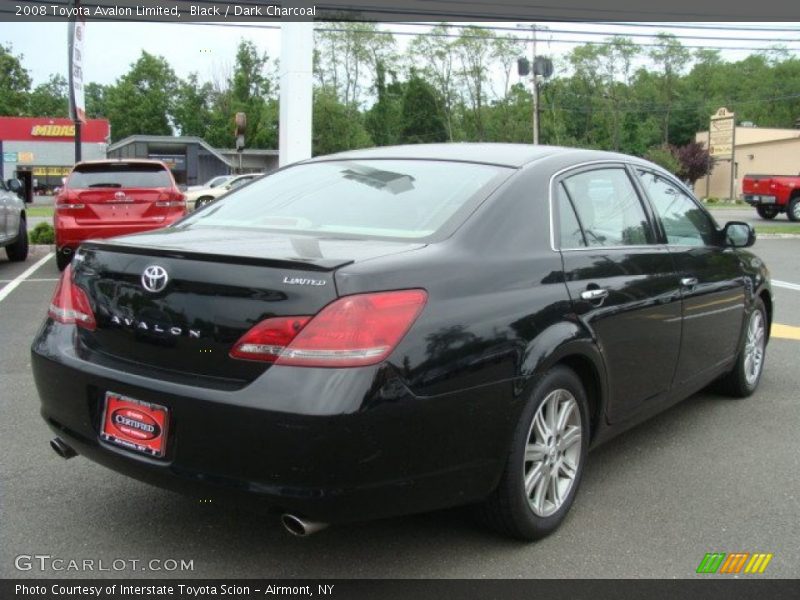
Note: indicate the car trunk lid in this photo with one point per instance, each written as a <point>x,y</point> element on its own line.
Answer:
<point>212,296</point>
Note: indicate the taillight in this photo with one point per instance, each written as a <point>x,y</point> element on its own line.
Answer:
<point>69,201</point>
<point>269,338</point>
<point>171,200</point>
<point>353,331</point>
<point>70,304</point>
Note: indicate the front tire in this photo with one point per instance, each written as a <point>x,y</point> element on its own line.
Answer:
<point>545,464</point>
<point>743,380</point>
<point>767,212</point>
<point>18,251</point>
<point>793,210</point>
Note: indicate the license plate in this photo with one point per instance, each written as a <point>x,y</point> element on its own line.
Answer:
<point>135,425</point>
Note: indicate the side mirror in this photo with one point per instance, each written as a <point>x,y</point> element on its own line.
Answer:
<point>15,185</point>
<point>737,234</point>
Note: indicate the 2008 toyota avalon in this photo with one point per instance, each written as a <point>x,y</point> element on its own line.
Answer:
<point>402,329</point>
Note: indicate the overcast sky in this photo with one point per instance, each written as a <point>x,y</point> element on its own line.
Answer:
<point>110,48</point>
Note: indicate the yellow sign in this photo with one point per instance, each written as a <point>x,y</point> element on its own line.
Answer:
<point>52,171</point>
<point>721,133</point>
<point>53,130</point>
<point>25,157</point>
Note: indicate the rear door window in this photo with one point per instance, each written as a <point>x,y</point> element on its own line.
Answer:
<point>570,233</point>
<point>608,208</point>
<point>119,175</point>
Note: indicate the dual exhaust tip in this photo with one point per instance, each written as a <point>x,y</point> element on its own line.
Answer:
<point>62,449</point>
<point>295,525</point>
<point>300,527</point>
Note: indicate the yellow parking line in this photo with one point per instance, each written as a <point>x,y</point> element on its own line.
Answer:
<point>787,332</point>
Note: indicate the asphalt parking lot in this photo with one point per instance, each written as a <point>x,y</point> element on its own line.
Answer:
<point>709,475</point>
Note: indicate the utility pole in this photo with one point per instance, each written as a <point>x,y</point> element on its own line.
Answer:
<point>535,86</point>
<point>534,82</point>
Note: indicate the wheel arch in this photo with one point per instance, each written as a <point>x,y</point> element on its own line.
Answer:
<point>584,358</point>
<point>766,298</point>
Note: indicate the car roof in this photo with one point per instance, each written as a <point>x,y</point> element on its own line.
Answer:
<point>509,155</point>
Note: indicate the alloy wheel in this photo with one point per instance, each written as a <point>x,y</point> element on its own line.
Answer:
<point>553,452</point>
<point>754,348</point>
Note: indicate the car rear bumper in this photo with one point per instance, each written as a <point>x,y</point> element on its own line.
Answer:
<point>70,234</point>
<point>358,445</point>
<point>761,200</point>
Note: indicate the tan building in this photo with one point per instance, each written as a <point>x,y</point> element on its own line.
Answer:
<point>759,151</point>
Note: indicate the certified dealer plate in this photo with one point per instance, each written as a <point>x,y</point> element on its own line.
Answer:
<point>135,425</point>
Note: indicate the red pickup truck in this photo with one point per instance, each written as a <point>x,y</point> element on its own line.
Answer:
<point>773,194</point>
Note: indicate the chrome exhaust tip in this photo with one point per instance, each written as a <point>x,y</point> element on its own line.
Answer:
<point>62,449</point>
<point>301,527</point>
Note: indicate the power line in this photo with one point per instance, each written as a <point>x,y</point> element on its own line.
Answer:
<point>482,11</point>
<point>550,29</point>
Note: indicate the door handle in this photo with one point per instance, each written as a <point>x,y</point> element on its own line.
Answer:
<point>689,282</point>
<point>594,294</point>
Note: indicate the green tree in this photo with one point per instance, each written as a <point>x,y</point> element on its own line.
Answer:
<point>671,58</point>
<point>336,127</point>
<point>474,51</point>
<point>250,89</point>
<point>435,58</point>
<point>50,99</point>
<point>95,98</point>
<point>191,112</point>
<point>141,100</point>
<point>664,157</point>
<point>423,121</point>
<point>347,55</point>
<point>384,121</point>
<point>15,83</point>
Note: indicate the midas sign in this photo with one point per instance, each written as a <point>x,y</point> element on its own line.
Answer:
<point>53,130</point>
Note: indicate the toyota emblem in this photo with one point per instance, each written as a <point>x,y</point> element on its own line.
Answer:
<point>154,278</point>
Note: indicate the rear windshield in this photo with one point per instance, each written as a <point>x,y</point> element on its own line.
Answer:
<point>408,199</point>
<point>119,175</point>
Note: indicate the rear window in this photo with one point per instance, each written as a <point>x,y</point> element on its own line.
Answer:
<point>119,175</point>
<point>408,199</point>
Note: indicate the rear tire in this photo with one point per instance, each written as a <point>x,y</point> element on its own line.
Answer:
<point>63,258</point>
<point>793,210</point>
<point>767,212</point>
<point>18,251</point>
<point>745,376</point>
<point>202,201</point>
<point>544,467</point>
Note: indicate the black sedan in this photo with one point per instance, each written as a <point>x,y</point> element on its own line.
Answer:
<point>402,329</point>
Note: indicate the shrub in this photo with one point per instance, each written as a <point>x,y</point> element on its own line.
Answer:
<point>664,158</point>
<point>42,234</point>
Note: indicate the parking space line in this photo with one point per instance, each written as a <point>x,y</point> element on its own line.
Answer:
<point>31,280</point>
<point>23,276</point>
<point>786,332</point>
<point>787,285</point>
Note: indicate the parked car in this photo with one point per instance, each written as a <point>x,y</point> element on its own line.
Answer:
<point>771,195</point>
<point>402,329</point>
<point>13,224</point>
<point>212,183</point>
<point>197,198</point>
<point>105,198</point>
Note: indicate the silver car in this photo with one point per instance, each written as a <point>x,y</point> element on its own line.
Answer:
<point>13,227</point>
